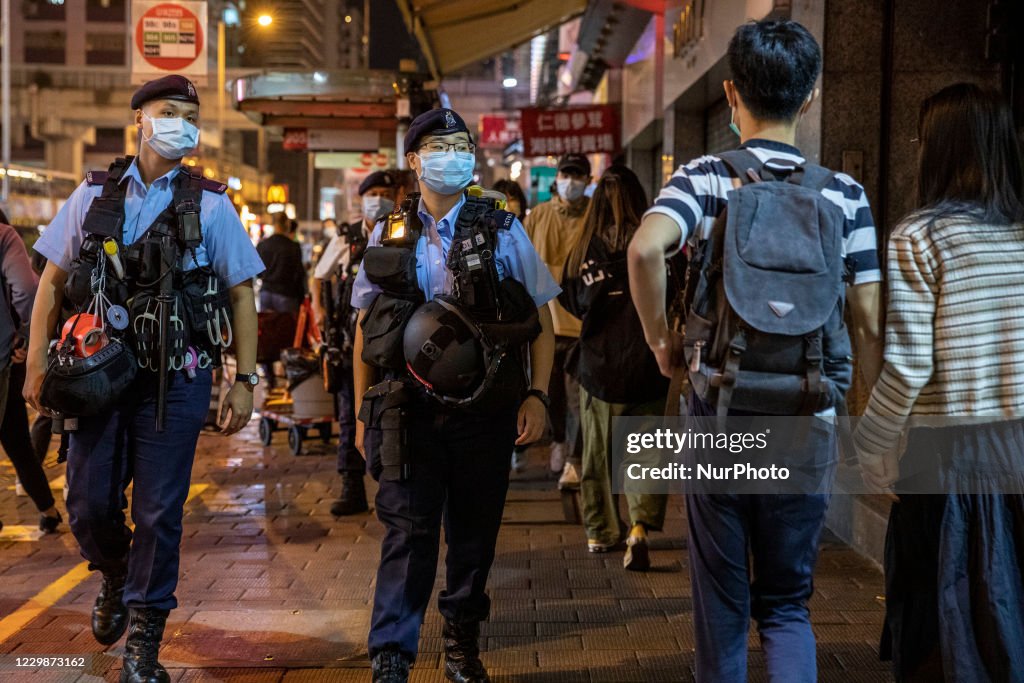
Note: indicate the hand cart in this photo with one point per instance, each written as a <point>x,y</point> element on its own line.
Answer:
<point>298,428</point>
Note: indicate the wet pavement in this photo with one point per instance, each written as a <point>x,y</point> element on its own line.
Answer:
<point>273,588</point>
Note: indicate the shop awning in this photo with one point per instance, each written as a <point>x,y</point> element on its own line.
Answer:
<point>456,33</point>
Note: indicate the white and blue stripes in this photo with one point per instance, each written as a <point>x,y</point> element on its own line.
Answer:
<point>698,192</point>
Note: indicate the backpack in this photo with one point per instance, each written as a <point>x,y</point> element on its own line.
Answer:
<point>765,295</point>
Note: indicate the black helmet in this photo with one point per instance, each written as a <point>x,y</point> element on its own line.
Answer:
<point>445,352</point>
<point>87,386</point>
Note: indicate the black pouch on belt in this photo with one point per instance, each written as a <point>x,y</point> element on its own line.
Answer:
<point>386,406</point>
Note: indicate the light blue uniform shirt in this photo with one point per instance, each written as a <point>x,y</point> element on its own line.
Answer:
<point>515,257</point>
<point>225,246</point>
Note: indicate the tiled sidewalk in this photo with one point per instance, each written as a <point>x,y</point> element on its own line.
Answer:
<point>273,588</point>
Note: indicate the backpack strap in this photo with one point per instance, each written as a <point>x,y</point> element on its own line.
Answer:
<point>813,356</point>
<point>744,165</point>
<point>737,346</point>
<point>817,177</point>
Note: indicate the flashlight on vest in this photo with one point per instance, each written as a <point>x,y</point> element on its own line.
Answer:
<point>402,227</point>
<point>110,249</point>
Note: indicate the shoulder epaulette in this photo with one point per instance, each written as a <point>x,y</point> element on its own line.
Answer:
<point>96,177</point>
<point>214,186</point>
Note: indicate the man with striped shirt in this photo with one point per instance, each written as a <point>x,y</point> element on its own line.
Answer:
<point>774,66</point>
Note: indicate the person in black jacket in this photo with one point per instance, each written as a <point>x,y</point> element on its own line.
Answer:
<point>284,280</point>
<point>617,372</point>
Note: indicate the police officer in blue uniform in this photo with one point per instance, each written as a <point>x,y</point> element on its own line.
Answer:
<point>334,277</point>
<point>443,255</point>
<point>122,226</point>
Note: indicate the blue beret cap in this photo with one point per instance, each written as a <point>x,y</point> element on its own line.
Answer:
<point>434,122</point>
<point>376,179</point>
<point>172,87</point>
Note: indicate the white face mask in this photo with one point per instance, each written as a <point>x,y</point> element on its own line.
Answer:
<point>374,206</point>
<point>569,189</point>
<point>172,138</point>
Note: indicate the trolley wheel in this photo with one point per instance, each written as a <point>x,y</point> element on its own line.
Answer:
<point>324,429</point>
<point>571,505</point>
<point>295,437</point>
<point>266,430</point>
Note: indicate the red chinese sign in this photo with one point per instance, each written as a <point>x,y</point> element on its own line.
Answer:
<point>295,139</point>
<point>169,36</point>
<point>576,130</point>
<point>498,131</point>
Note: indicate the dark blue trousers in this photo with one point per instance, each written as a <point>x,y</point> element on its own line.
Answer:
<point>349,457</point>
<point>460,475</point>
<point>108,452</point>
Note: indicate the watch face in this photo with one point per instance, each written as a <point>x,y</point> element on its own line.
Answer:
<point>254,379</point>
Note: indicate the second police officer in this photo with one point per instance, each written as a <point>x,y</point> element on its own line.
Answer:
<point>153,258</point>
<point>453,306</point>
<point>334,277</point>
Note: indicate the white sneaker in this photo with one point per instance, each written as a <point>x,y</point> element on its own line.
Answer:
<point>570,478</point>
<point>557,459</point>
<point>19,490</point>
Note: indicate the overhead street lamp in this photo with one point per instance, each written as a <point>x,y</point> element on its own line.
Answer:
<point>264,20</point>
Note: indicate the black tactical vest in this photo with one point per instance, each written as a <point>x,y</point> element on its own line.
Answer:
<point>201,304</point>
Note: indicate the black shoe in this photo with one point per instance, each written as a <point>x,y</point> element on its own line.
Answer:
<point>140,650</point>
<point>353,496</point>
<point>48,525</point>
<point>462,653</point>
<point>109,614</point>
<point>390,666</point>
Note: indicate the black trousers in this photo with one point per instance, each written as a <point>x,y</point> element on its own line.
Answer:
<point>460,476</point>
<point>17,443</point>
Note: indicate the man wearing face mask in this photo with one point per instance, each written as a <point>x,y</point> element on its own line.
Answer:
<point>335,273</point>
<point>146,223</point>
<point>467,294</point>
<point>554,226</point>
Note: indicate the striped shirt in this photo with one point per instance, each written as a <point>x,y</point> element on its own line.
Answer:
<point>954,336</point>
<point>698,192</point>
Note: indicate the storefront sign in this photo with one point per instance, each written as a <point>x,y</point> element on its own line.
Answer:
<point>295,140</point>
<point>498,131</point>
<point>169,37</point>
<point>578,130</point>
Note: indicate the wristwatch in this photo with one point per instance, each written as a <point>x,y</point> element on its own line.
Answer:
<point>542,396</point>
<point>249,379</point>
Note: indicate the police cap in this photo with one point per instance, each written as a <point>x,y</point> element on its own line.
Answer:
<point>376,179</point>
<point>172,87</point>
<point>577,164</point>
<point>434,122</point>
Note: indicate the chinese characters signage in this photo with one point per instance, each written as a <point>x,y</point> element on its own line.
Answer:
<point>169,37</point>
<point>577,130</point>
<point>498,131</point>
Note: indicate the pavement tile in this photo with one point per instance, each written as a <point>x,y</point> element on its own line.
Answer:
<point>275,589</point>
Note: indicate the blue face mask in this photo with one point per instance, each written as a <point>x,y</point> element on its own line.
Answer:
<point>172,138</point>
<point>732,123</point>
<point>447,173</point>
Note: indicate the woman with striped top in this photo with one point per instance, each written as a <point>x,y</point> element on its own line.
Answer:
<point>955,349</point>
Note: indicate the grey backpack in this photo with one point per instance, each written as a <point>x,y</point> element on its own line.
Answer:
<point>765,295</point>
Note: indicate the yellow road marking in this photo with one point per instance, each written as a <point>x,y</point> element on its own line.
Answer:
<point>48,597</point>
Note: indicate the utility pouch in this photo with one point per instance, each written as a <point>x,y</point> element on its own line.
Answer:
<point>104,218</point>
<point>383,328</point>
<point>393,269</point>
<point>78,288</point>
<point>386,406</point>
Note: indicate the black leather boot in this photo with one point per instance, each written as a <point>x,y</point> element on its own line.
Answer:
<point>109,614</point>
<point>145,630</point>
<point>390,666</point>
<point>353,496</point>
<point>462,653</point>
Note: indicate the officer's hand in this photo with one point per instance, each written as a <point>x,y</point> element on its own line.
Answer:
<point>669,352</point>
<point>532,420</point>
<point>33,389</point>
<point>361,438</point>
<point>237,409</point>
<point>19,355</point>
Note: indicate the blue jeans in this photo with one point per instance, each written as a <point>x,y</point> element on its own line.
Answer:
<point>111,450</point>
<point>269,301</point>
<point>782,533</point>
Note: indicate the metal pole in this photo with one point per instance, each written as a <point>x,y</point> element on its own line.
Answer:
<point>311,213</point>
<point>366,34</point>
<point>5,57</point>
<point>221,84</point>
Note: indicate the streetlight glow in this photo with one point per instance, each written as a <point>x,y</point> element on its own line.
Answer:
<point>265,20</point>
<point>510,82</point>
